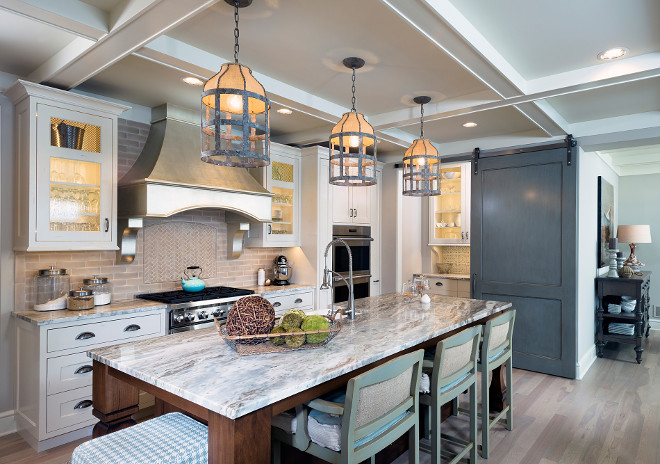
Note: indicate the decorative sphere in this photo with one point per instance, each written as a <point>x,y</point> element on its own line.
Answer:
<point>251,315</point>
<point>626,272</point>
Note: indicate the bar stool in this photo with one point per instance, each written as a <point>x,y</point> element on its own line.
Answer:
<point>495,351</point>
<point>289,428</point>
<point>454,370</point>
<point>376,408</point>
<point>172,438</point>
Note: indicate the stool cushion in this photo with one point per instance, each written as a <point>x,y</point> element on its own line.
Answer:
<point>173,438</point>
<point>285,421</point>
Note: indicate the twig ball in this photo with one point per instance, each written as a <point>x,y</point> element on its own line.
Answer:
<point>251,315</point>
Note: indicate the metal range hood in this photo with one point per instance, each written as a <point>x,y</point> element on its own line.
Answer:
<point>169,177</point>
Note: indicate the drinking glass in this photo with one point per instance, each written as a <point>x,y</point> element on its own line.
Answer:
<point>408,289</point>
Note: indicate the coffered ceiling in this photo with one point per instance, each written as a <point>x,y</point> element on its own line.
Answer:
<point>526,72</point>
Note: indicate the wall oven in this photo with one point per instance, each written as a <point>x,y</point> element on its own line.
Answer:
<point>358,239</point>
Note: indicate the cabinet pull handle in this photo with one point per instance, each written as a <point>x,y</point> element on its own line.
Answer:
<point>83,404</point>
<point>350,212</point>
<point>462,235</point>
<point>132,328</point>
<point>107,224</point>
<point>439,284</point>
<point>355,212</point>
<point>83,369</point>
<point>270,229</point>
<point>85,335</point>
<point>298,300</point>
<point>277,304</point>
<point>467,235</point>
<point>376,281</point>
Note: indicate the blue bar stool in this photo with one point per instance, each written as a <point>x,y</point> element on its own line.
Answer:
<point>172,438</point>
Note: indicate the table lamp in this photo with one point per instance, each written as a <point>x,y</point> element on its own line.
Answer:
<point>634,235</point>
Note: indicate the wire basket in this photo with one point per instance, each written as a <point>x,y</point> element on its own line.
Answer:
<point>260,344</point>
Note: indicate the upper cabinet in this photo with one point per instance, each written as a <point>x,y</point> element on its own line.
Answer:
<point>282,178</point>
<point>449,212</point>
<point>352,205</point>
<point>66,170</point>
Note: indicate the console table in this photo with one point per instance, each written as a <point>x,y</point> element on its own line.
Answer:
<point>610,290</point>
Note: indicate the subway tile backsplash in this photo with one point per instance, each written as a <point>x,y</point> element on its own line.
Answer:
<point>129,279</point>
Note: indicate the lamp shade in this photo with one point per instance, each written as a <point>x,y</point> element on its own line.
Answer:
<point>634,234</point>
<point>421,169</point>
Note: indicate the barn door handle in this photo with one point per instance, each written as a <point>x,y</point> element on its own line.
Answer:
<point>474,285</point>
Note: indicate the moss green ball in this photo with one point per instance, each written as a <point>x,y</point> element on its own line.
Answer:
<point>292,320</point>
<point>295,341</point>
<point>277,340</point>
<point>316,322</point>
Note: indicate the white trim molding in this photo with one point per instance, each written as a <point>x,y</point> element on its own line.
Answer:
<point>7,422</point>
<point>585,362</point>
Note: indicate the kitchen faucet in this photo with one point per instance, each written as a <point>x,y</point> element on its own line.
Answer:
<point>327,279</point>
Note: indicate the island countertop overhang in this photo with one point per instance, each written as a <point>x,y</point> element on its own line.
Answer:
<point>201,368</point>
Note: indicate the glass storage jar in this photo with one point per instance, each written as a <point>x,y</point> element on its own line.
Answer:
<point>80,299</point>
<point>51,288</point>
<point>100,288</point>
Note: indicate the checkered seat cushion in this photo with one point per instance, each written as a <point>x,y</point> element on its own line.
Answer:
<point>173,438</point>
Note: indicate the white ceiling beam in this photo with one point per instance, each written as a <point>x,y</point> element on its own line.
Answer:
<point>60,60</point>
<point>72,16</point>
<point>633,130</point>
<point>137,23</point>
<point>493,142</point>
<point>543,119</point>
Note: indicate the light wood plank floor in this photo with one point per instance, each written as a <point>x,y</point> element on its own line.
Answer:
<point>612,416</point>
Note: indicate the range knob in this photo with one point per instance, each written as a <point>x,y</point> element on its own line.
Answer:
<point>202,315</point>
<point>190,317</point>
<point>178,318</point>
<point>218,313</point>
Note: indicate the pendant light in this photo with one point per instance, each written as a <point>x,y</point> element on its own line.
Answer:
<point>421,163</point>
<point>353,144</point>
<point>235,113</point>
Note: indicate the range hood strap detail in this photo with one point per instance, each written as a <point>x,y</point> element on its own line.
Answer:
<point>235,235</point>
<point>128,229</point>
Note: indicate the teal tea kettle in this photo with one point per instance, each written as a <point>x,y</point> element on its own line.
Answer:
<point>191,282</point>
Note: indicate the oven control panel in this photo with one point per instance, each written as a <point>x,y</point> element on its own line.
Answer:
<point>197,317</point>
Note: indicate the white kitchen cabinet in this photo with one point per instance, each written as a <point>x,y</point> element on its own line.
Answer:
<point>285,300</point>
<point>54,374</point>
<point>282,178</point>
<point>376,245</point>
<point>449,212</point>
<point>448,287</point>
<point>352,205</point>
<point>66,169</point>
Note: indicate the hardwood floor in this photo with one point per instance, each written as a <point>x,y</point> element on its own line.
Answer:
<point>612,416</point>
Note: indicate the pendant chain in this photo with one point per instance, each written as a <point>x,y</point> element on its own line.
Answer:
<point>422,105</point>
<point>236,32</point>
<point>353,90</point>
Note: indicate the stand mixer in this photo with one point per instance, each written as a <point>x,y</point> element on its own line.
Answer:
<point>281,271</point>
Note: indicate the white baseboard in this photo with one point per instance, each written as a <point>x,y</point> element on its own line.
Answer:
<point>585,362</point>
<point>7,422</point>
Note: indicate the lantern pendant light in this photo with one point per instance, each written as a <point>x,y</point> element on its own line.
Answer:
<point>235,113</point>
<point>353,144</point>
<point>421,163</point>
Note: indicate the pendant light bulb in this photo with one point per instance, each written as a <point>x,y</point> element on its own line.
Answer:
<point>354,141</point>
<point>235,104</point>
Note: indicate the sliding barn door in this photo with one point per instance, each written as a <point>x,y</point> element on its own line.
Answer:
<point>524,248</point>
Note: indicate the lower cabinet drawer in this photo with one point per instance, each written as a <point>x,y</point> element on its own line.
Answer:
<point>297,300</point>
<point>68,372</point>
<point>84,335</point>
<point>445,287</point>
<point>68,408</point>
<point>463,286</point>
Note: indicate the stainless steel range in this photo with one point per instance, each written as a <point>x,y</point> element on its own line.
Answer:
<point>192,311</point>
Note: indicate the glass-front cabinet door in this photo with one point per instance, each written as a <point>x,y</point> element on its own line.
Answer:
<point>74,176</point>
<point>282,178</point>
<point>449,212</point>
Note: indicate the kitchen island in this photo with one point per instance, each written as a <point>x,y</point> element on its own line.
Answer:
<point>237,395</point>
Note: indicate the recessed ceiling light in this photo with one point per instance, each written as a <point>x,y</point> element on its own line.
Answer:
<point>613,53</point>
<point>470,124</point>
<point>284,111</point>
<point>190,80</point>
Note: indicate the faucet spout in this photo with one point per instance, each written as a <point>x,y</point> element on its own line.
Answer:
<point>327,277</point>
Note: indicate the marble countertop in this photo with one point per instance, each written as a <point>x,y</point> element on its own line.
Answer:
<point>199,366</point>
<point>112,309</point>
<point>131,306</point>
